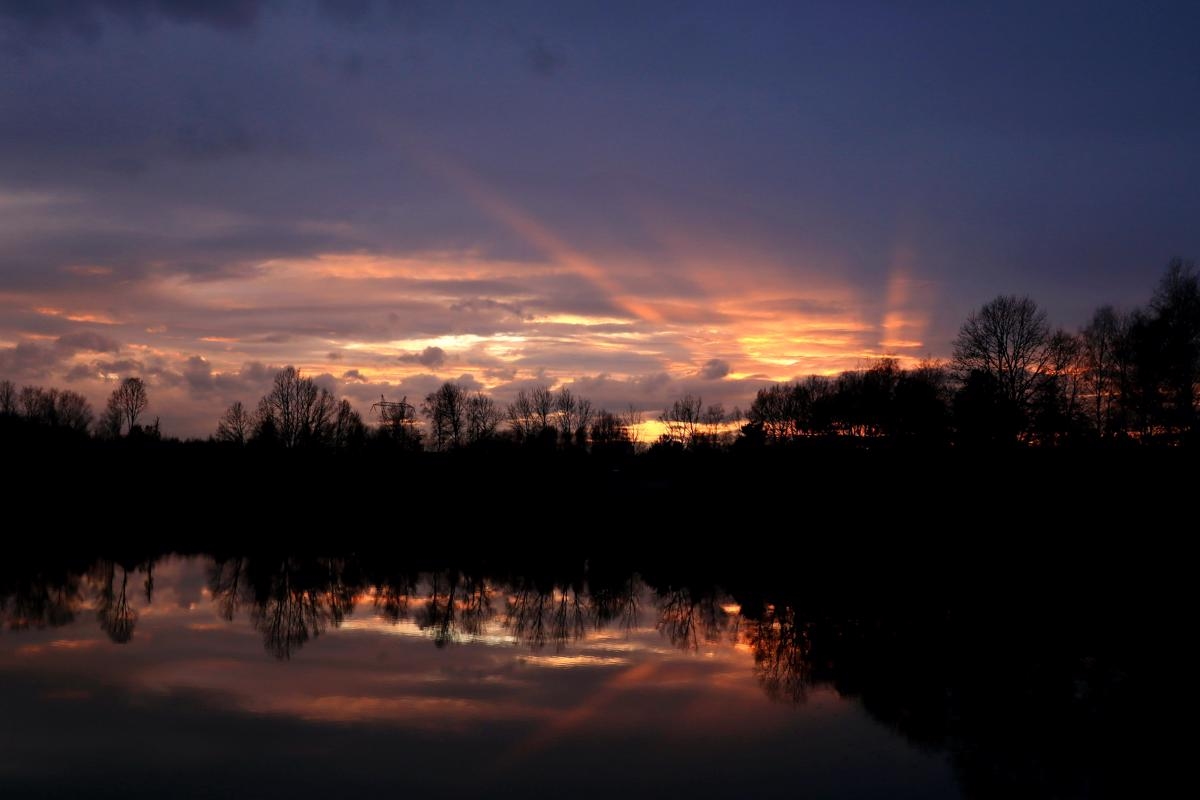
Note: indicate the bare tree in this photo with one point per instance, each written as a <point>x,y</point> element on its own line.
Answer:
<point>8,398</point>
<point>520,416</point>
<point>633,419</point>
<point>544,403</point>
<point>482,418</point>
<point>297,410</point>
<point>683,419</point>
<point>111,421</point>
<point>446,410</point>
<point>1009,341</point>
<point>531,413</point>
<point>1100,341</point>
<point>130,399</point>
<point>1176,324</point>
<point>610,434</point>
<point>235,425</point>
<point>37,404</point>
<point>1065,367</point>
<point>73,411</point>
<point>50,407</point>
<point>574,416</point>
<point>347,429</point>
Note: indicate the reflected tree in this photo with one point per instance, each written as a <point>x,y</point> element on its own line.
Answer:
<point>290,601</point>
<point>117,617</point>
<point>391,597</point>
<point>689,617</point>
<point>782,649</point>
<point>615,601</point>
<point>39,598</point>
<point>526,611</point>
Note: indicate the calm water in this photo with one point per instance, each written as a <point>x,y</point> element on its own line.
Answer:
<point>320,678</point>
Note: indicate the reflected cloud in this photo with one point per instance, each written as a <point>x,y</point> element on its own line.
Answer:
<point>548,655</point>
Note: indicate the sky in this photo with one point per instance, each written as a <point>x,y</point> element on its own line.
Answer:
<point>636,200</point>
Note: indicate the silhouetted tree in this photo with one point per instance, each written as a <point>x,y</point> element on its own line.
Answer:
<point>482,418</point>
<point>574,415</point>
<point>633,419</point>
<point>111,422</point>
<point>131,399</point>
<point>1057,399</point>
<point>682,420</point>
<point>297,411</point>
<point>446,410</point>
<point>1175,322</point>
<point>610,435</point>
<point>32,404</point>
<point>922,403</point>
<point>73,412</point>
<point>8,398</point>
<point>1100,341</point>
<point>236,425</point>
<point>983,414</point>
<point>347,429</point>
<point>531,414</point>
<point>862,401</point>
<point>1008,340</point>
<point>51,408</point>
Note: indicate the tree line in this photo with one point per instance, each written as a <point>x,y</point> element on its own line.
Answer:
<point>1124,376</point>
<point>1013,379</point>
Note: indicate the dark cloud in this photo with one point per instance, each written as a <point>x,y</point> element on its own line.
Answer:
<point>431,357</point>
<point>35,360</point>
<point>544,59</point>
<point>714,369</point>
<point>28,360</point>
<point>198,374</point>
<point>87,340</point>
<point>353,375</point>
<point>346,11</point>
<point>87,18</point>
<point>205,140</point>
<point>80,372</point>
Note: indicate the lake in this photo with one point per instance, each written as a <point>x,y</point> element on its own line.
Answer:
<point>289,676</point>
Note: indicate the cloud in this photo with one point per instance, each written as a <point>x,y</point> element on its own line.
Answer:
<point>345,11</point>
<point>544,59</point>
<point>34,360</point>
<point>431,357</point>
<point>88,18</point>
<point>198,374</point>
<point>714,369</point>
<point>27,360</point>
<point>87,340</point>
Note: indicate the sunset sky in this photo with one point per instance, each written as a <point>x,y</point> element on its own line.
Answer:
<point>634,199</point>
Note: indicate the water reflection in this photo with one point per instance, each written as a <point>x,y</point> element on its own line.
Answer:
<point>1017,709</point>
